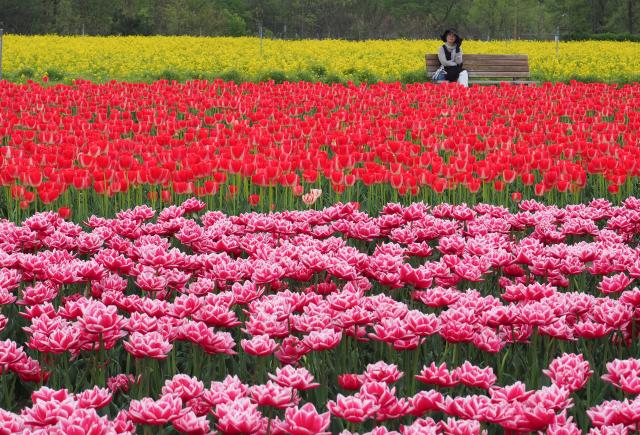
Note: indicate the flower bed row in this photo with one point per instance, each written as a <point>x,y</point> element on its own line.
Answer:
<point>495,295</point>
<point>136,58</point>
<point>265,145</point>
<point>186,405</point>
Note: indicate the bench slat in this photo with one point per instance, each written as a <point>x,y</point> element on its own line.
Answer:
<point>472,67</point>
<point>488,57</point>
<point>498,74</point>
<point>475,62</point>
<point>497,82</point>
<point>481,64</point>
<point>506,75</point>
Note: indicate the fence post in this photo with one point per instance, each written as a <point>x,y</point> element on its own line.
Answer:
<point>1,33</point>
<point>557,39</point>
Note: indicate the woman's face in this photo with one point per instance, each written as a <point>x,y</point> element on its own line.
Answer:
<point>451,38</point>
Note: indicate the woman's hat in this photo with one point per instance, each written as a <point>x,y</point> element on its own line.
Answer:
<point>455,32</point>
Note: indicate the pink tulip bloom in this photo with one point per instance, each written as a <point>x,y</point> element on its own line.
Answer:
<point>352,408</point>
<point>299,378</point>
<point>10,422</point>
<point>259,345</point>
<point>120,382</point>
<point>306,421</point>
<point>160,412</point>
<point>274,395</point>
<point>461,427</point>
<point>10,353</point>
<point>474,376</point>
<point>624,374</point>
<point>96,398</point>
<point>150,345</point>
<point>570,371</point>
<point>511,393</point>
<point>614,284</point>
<point>85,421</point>
<point>48,412</point>
<point>382,372</point>
<point>421,426</point>
<point>438,375</point>
<point>48,394</point>
<point>238,416</point>
<point>185,386</point>
<point>192,424</point>
<point>425,401</point>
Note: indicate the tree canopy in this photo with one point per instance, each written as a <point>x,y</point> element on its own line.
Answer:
<point>348,19</point>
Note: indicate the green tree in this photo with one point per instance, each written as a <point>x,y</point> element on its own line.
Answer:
<point>353,19</point>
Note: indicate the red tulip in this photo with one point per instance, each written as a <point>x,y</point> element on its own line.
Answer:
<point>254,199</point>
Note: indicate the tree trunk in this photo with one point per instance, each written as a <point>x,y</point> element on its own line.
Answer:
<point>515,20</point>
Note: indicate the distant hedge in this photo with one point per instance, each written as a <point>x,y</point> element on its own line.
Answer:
<point>631,37</point>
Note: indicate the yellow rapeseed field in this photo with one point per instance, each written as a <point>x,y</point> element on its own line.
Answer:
<point>181,57</point>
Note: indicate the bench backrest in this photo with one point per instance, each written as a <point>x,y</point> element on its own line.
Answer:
<point>488,65</point>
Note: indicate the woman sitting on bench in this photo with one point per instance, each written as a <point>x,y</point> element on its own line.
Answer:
<point>450,56</point>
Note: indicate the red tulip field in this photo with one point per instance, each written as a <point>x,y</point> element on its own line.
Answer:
<point>107,147</point>
<point>305,258</point>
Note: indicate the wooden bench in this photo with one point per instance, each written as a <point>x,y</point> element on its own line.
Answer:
<point>488,68</point>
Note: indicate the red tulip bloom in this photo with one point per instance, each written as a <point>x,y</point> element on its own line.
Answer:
<point>349,381</point>
<point>64,212</point>
<point>254,199</point>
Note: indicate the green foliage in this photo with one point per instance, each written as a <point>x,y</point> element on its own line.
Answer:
<point>348,19</point>
<point>170,75</point>
<point>276,75</point>
<point>417,76</point>
<point>232,75</point>
<point>54,75</point>
<point>26,73</point>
